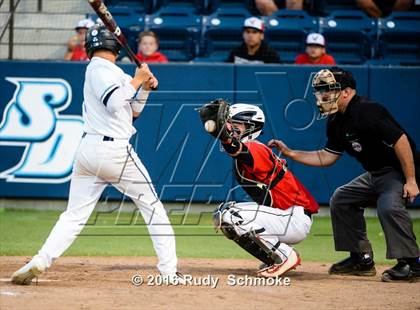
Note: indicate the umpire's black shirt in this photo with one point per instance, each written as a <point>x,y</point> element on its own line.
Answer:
<point>366,131</point>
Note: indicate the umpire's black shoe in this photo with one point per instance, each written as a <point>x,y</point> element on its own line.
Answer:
<point>403,271</point>
<point>358,264</point>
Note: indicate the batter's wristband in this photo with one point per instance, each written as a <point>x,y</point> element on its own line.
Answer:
<point>137,104</point>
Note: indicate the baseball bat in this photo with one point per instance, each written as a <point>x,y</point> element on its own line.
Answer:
<point>103,13</point>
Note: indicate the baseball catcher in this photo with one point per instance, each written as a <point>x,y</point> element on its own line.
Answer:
<point>281,211</point>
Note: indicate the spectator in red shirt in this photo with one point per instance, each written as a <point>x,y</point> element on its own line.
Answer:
<point>76,45</point>
<point>148,48</point>
<point>315,53</point>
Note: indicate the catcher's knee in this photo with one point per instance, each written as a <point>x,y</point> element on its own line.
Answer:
<point>219,222</point>
<point>249,241</point>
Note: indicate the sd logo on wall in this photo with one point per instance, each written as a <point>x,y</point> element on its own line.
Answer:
<point>32,120</point>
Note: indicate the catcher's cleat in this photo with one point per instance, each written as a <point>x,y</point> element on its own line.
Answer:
<point>353,265</point>
<point>27,273</point>
<point>263,266</point>
<point>277,270</point>
<point>402,272</point>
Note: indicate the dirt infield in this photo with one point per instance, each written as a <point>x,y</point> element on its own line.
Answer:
<point>105,283</point>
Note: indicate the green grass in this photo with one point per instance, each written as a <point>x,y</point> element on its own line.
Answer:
<point>23,233</point>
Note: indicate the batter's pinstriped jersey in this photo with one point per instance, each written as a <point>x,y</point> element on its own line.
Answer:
<point>102,78</point>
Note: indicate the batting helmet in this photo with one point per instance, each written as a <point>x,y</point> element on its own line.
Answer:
<point>99,37</point>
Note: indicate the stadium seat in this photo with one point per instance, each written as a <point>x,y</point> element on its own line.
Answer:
<point>286,32</point>
<point>197,6</point>
<point>399,38</point>
<point>325,7</point>
<point>178,29</point>
<point>222,32</point>
<point>349,35</point>
<point>214,5</point>
<point>338,5</point>
<point>146,6</point>
<point>127,17</point>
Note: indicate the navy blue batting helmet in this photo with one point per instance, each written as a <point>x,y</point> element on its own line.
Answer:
<point>99,37</point>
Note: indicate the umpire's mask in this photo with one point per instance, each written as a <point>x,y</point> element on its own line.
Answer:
<point>327,92</point>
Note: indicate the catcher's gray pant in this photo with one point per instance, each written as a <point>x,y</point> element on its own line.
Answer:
<point>98,163</point>
<point>385,188</point>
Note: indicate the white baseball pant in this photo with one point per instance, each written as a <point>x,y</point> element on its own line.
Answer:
<point>288,227</point>
<point>98,163</point>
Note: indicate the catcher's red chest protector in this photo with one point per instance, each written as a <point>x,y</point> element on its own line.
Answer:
<point>268,181</point>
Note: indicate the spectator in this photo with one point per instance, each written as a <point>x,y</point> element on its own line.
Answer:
<point>253,50</point>
<point>315,53</point>
<point>148,45</point>
<point>268,7</point>
<point>76,45</point>
<point>382,8</point>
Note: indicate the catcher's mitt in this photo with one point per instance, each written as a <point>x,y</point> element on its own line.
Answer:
<point>214,116</point>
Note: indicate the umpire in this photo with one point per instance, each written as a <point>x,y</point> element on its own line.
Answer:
<point>368,132</point>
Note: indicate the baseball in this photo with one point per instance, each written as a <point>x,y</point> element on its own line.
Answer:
<point>210,126</point>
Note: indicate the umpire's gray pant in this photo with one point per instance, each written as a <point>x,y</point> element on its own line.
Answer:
<point>385,188</point>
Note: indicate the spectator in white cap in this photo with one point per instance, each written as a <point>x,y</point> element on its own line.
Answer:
<point>76,45</point>
<point>253,49</point>
<point>315,53</point>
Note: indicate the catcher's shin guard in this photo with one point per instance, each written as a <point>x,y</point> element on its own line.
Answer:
<point>249,241</point>
<point>252,245</point>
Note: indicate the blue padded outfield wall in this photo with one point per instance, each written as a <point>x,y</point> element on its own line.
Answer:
<point>41,125</point>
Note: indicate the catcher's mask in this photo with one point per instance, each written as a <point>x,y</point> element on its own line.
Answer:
<point>251,116</point>
<point>99,37</point>
<point>327,85</point>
